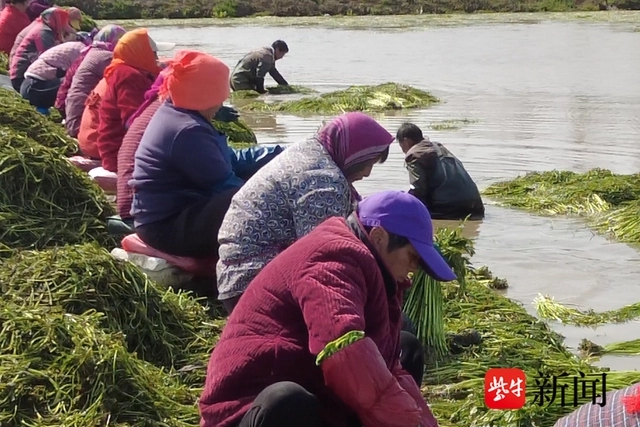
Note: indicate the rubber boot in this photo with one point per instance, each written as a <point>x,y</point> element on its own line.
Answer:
<point>42,110</point>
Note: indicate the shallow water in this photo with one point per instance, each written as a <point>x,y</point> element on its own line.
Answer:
<point>546,91</point>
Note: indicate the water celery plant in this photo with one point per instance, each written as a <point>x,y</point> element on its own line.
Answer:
<point>44,200</point>
<point>548,308</point>
<point>380,98</point>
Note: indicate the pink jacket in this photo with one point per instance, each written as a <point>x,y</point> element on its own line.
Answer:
<point>58,57</point>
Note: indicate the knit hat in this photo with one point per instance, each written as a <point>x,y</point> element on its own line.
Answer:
<point>195,81</point>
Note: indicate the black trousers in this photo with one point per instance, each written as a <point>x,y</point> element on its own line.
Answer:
<point>289,404</point>
<point>17,83</point>
<point>40,93</point>
<point>191,233</point>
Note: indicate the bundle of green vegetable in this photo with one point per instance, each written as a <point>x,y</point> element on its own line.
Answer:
<point>238,133</point>
<point>45,200</point>
<point>424,302</point>
<point>380,98</point>
<point>17,114</point>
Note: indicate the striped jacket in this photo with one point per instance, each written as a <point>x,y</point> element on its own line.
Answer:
<point>613,414</point>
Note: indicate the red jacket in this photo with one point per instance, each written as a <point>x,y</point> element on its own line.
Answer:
<point>12,21</point>
<point>126,157</point>
<point>125,93</point>
<point>326,284</point>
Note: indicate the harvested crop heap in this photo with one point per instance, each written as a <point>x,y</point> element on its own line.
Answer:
<point>510,338</point>
<point>4,64</point>
<point>20,116</point>
<point>89,340</point>
<point>380,98</point>
<point>610,202</point>
<point>44,199</point>
<point>238,133</point>
<point>272,90</point>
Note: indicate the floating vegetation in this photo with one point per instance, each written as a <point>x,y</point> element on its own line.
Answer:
<point>380,98</point>
<point>548,308</point>
<point>4,64</point>
<point>19,115</point>
<point>238,132</point>
<point>453,124</point>
<point>44,200</point>
<point>623,223</point>
<point>610,202</point>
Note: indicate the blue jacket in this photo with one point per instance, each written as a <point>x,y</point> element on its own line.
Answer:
<point>182,159</point>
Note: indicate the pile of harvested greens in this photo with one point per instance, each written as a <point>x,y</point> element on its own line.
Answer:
<point>380,98</point>
<point>44,199</point>
<point>238,133</point>
<point>88,340</point>
<point>17,114</point>
<point>272,90</point>
<point>610,202</point>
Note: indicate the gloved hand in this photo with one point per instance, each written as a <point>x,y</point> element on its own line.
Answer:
<point>227,114</point>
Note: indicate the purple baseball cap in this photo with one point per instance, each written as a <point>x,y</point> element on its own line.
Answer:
<point>403,214</point>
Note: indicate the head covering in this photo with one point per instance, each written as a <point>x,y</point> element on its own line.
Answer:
<point>108,37</point>
<point>75,17</point>
<point>196,81</point>
<point>354,138</point>
<point>58,20</point>
<point>402,214</point>
<point>134,49</point>
<point>149,96</point>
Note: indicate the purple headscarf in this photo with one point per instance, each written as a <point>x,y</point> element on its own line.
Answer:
<point>354,138</point>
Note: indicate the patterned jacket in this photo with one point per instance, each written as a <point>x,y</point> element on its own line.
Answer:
<point>282,202</point>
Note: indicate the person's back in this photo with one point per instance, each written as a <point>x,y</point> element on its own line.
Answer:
<point>261,221</point>
<point>85,80</point>
<point>13,19</point>
<point>58,58</point>
<point>438,178</point>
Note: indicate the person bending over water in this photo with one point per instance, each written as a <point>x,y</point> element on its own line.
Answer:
<point>316,340</point>
<point>308,183</point>
<point>438,178</point>
<point>251,70</point>
<point>184,172</point>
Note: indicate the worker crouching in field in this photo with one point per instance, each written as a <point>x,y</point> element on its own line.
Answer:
<point>316,339</point>
<point>251,70</point>
<point>438,178</point>
<point>184,172</point>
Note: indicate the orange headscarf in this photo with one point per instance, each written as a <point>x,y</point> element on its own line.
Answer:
<point>133,49</point>
<point>195,81</point>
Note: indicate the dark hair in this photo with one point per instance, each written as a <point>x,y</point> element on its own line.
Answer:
<point>360,166</point>
<point>409,131</point>
<point>280,45</point>
<point>395,241</point>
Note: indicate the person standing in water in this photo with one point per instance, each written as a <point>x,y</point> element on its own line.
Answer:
<point>251,70</point>
<point>438,178</point>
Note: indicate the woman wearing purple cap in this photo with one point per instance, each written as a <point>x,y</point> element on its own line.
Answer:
<point>315,341</point>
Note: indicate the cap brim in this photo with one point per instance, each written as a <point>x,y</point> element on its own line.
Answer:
<point>75,25</point>
<point>433,263</point>
<point>163,47</point>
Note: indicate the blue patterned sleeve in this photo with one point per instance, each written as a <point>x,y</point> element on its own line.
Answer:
<point>320,197</point>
